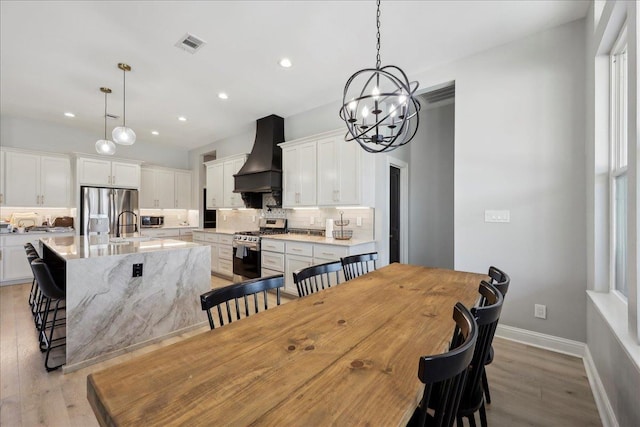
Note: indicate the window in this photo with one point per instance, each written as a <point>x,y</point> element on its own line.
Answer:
<point>619,161</point>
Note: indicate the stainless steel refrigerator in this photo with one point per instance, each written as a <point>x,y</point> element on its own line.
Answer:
<point>111,211</point>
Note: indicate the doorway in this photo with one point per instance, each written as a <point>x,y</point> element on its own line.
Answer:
<point>394,214</point>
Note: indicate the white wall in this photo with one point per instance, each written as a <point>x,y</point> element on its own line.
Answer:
<point>432,193</point>
<point>52,137</point>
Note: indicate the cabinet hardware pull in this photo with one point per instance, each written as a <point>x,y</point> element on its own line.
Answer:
<point>327,253</point>
<point>42,199</point>
<point>114,179</point>
<point>296,249</point>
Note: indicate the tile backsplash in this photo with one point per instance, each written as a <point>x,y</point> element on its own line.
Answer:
<point>248,219</point>
<point>174,217</point>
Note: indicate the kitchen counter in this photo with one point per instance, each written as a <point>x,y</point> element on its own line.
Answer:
<point>79,247</point>
<point>214,231</point>
<point>108,310</point>
<point>318,239</point>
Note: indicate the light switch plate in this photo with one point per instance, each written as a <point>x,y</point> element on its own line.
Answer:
<point>497,216</point>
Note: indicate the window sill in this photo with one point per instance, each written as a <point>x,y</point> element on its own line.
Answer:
<point>614,311</point>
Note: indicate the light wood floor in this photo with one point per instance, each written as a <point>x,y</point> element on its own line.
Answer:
<point>529,386</point>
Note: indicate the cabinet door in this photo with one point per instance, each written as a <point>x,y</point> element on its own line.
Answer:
<point>215,174</point>
<point>215,257</point>
<point>23,179</point>
<point>307,172</point>
<point>165,189</point>
<point>348,159</point>
<point>290,179</point>
<point>183,190</point>
<point>328,174</point>
<point>14,263</point>
<point>147,188</point>
<point>55,181</point>
<point>94,171</point>
<point>125,174</point>
<point>293,263</point>
<point>231,199</point>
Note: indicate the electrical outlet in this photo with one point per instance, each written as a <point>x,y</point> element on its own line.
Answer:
<point>224,217</point>
<point>253,218</point>
<point>540,311</point>
<point>497,216</point>
<point>137,270</point>
<point>311,220</point>
<point>359,221</point>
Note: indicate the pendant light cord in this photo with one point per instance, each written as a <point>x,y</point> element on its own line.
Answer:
<point>105,115</point>
<point>124,99</point>
<point>378,62</point>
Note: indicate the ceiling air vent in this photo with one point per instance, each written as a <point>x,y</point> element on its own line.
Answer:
<point>190,43</point>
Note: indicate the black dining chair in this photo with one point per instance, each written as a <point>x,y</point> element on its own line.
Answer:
<point>317,277</point>
<point>217,298</point>
<point>501,281</point>
<point>357,265</point>
<point>486,317</point>
<point>444,374</point>
<point>52,333</point>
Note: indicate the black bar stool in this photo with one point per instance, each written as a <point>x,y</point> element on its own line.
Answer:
<point>52,333</point>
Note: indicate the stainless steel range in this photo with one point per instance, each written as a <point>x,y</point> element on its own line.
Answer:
<point>246,247</point>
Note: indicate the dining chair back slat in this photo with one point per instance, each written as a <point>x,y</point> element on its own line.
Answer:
<point>317,277</point>
<point>357,265</point>
<point>220,298</point>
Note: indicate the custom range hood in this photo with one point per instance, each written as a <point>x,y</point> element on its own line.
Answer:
<point>262,173</point>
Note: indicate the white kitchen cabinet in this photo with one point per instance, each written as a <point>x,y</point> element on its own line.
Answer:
<point>220,182</point>
<point>108,173</point>
<point>161,233</point>
<point>157,188</point>
<point>291,264</point>
<point>231,199</point>
<point>299,174</point>
<point>35,180</point>
<point>183,190</point>
<point>210,239</point>
<point>338,172</point>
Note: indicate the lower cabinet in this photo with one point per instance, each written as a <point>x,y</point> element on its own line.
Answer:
<point>221,251</point>
<point>293,263</point>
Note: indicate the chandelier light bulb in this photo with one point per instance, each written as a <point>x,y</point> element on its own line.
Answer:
<point>123,135</point>
<point>375,92</point>
<point>352,105</point>
<point>365,112</point>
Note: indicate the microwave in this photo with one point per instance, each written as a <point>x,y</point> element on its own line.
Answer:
<point>150,221</point>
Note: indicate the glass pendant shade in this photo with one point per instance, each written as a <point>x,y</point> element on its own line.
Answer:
<point>106,147</point>
<point>123,135</point>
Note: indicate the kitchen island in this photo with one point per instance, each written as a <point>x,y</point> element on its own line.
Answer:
<point>108,310</point>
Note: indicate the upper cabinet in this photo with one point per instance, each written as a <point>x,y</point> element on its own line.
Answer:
<point>299,174</point>
<point>324,170</point>
<point>101,172</point>
<point>183,190</point>
<point>165,188</point>
<point>2,178</point>
<point>220,182</point>
<point>36,180</point>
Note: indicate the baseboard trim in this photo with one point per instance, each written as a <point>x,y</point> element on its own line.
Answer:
<point>607,415</point>
<point>572,348</point>
<point>547,342</point>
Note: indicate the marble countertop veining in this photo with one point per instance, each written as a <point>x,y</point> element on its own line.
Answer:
<point>94,246</point>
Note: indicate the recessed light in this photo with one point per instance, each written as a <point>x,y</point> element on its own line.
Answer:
<point>285,63</point>
<point>155,132</point>
<point>182,119</point>
<point>69,114</point>
<point>223,95</point>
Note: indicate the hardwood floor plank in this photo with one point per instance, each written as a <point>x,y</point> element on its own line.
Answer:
<point>529,386</point>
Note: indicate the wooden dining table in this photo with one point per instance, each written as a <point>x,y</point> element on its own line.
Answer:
<point>347,355</point>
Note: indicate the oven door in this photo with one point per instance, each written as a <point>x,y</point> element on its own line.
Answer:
<point>246,260</point>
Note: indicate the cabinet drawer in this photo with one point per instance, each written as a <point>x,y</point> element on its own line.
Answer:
<point>210,238</point>
<point>198,236</point>
<point>266,272</point>
<point>303,249</point>
<point>226,239</point>
<point>330,252</point>
<point>225,267</point>
<point>273,261</point>
<point>161,233</point>
<point>225,252</point>
<point>272,245</point>
<point>186,232</point>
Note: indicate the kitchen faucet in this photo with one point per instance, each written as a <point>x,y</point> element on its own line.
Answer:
<point>135,224</point>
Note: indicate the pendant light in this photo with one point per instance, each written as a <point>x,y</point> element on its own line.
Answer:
<point>122,134</point>
<point>104,146</point>
<point>379,105</point>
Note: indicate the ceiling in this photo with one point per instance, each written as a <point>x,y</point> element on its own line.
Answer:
<point>56,55</point>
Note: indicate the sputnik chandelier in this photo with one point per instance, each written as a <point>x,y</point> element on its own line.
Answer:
<point>383,114</point>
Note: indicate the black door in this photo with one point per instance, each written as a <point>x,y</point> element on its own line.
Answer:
<point>394,214</point>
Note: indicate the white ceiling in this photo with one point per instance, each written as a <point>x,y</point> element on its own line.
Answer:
<point>55,55</point>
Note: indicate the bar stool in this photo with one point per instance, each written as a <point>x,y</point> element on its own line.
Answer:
<point>52,296</point>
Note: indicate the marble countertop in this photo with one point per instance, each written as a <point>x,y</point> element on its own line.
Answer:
<point>94,246</point>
